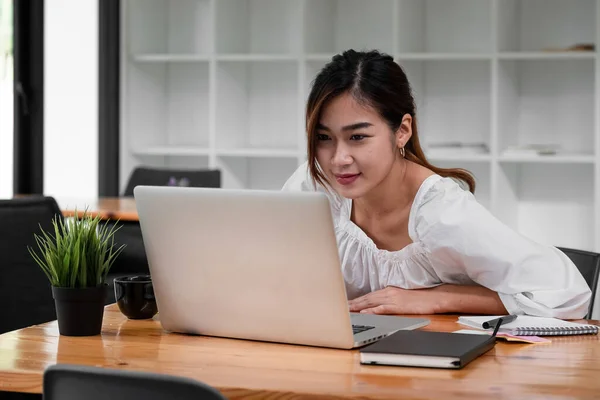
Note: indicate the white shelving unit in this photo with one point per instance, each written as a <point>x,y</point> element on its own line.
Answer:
<point>223,84</point>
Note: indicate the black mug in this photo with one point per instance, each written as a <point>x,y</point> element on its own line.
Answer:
<point>135,296</point>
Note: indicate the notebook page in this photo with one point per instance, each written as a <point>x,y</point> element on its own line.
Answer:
<point>522,321</point>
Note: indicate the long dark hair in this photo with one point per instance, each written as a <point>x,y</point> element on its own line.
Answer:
<point>373,79</point>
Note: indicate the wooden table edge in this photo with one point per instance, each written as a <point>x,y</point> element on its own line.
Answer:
<point>105,215</point>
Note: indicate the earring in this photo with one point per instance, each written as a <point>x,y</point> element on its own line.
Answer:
<point>402,153</point>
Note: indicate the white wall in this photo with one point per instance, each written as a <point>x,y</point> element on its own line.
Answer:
<point>71,98</point>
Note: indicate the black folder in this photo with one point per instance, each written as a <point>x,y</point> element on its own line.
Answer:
<point>427,349</point>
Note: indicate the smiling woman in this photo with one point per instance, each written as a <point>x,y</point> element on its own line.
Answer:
<point>379,96</point>
<point>402,223</point>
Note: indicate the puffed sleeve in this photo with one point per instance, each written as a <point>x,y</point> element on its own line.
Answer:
<point>301,180</point>
<point>463,238</point>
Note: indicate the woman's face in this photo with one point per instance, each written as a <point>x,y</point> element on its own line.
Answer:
<point>355,147</point>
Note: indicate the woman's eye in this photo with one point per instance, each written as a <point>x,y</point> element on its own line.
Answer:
<point>320,136</point>
<point>357,137</point>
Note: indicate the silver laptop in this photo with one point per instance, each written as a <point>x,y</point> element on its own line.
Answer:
<point>252,264</point>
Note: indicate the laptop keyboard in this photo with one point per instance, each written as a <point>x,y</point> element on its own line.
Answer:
<point>360,328</point>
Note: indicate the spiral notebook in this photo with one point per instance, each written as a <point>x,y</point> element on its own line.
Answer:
<point>526,325</point>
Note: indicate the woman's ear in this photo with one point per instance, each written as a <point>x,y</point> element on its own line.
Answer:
<point>404,131</point>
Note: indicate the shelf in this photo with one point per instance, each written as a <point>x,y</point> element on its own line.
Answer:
<point>553,204</point>
<point>169,27</point>
<point>481,173</point>
<point>546,102</point>
<point>255,173</point>
<point>444,156</point>
<point>258,26</point>
<point>551,159</point>
<point>452,98</point>
<point>168,161</point>
<point>333,26</point>
<point>535,25</point>
<point>179,162</point>
<point>266,153</point>
<point>443,56</point>
<point>171,58</point>
<point>439,26</point>
<point>256,57</point>
<point>549,55</point>
<point>171,151</point>
<point>224,83</point>
<point>328,56</point>
<point>204,151</point>
<point>257,105</point>
<point>325,57</point>
<point>483,56</point>
<point>170,107</point>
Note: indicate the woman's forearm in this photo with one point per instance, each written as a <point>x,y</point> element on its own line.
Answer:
<point>469,300</point>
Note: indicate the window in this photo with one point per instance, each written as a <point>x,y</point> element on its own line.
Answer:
<point>6,98</point>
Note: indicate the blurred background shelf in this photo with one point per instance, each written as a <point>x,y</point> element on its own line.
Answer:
<point>549,159</point>
<point>170,58</point>
<point>223,84</point>
<point>172,151</point>
<point>259,153</point>
<point>443,56</point>
<point>548,55</point>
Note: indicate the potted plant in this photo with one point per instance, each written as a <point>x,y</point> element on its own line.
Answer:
<point>76,258</point>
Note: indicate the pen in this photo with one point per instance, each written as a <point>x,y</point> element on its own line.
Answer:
<point>492,323</point>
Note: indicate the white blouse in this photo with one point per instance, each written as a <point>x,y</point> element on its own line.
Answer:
<point>456,240</point>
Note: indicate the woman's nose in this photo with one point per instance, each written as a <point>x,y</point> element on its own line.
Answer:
<point>341,156</point>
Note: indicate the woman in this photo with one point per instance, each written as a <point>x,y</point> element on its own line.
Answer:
<point>402,224</point>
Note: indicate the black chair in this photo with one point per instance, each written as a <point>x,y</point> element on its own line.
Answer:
<point>25,291</point>
<point>588,263</point>
<point>172,177</point>
<point>132,260</point>
<point>75,382</point>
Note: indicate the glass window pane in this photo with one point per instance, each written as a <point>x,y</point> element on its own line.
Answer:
<point>6,98</point>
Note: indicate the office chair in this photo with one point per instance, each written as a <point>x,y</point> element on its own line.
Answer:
<point>588,263</point>
<point>172,177</point>
<point>133,260</point>
<point>25,292</point>
<point>75,382</point>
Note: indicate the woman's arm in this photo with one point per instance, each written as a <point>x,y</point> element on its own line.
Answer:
<point>463,238</point>
<point>437,300</point>
<point>468,299</point>
<point>466,244</point>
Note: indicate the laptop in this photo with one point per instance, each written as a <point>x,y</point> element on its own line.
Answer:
<point>252,264</point>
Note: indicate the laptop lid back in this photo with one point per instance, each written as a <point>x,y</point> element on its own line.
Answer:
<point>248,264</point>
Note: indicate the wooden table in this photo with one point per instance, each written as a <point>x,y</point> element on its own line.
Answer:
<point>568,367</point>
<point>122,208</point>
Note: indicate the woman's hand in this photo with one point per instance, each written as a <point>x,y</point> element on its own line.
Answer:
<point>393,300</point>
<point>440,299</point>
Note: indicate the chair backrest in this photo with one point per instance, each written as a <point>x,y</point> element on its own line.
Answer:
<point>25,292</point>
<point>172,177</point>
<point>588,264</point>
<point>74,382</point>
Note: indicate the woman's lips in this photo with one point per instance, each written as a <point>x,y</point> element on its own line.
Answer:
<point>346,179</point>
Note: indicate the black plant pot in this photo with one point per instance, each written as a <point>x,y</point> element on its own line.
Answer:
<point>79,310</point>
